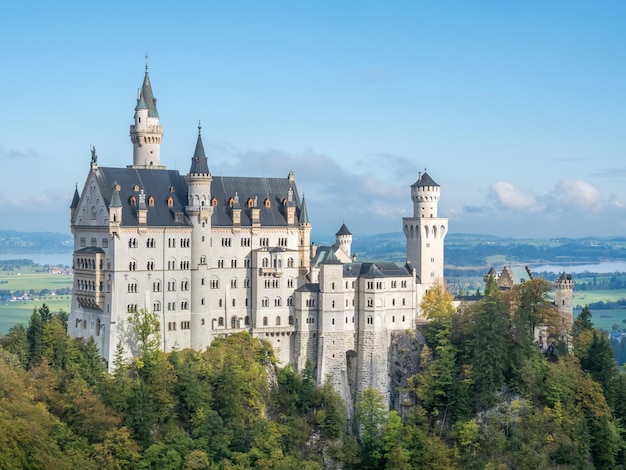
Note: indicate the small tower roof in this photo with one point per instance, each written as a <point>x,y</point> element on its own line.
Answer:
<point>304,215</point>
<point>115,197</point>
<point>331,258</point>
<point>75,199</point>
<point>141,103</point>
<point>425,180</point>
<point>564,277</point>
<point>199,164</point>
<point>343,230</point>
<point>148,97</point>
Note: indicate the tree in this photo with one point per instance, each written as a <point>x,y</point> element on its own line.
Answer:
<point>34,335</point>
<point>370,416</point>
<point>582,322</point>
<point>491,337</point>
<point>145,328</point>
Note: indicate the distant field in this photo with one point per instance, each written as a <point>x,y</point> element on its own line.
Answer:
<point>605,319</point>
<point>12,313</point>
<point>586,297</point>
<point>26,279</point>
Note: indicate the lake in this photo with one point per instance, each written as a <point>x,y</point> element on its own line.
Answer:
<point>603,267</point>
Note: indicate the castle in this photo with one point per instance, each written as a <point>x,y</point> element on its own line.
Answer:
<point>217,255</point>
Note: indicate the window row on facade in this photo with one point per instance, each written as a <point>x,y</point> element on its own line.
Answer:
<point>94,242</point>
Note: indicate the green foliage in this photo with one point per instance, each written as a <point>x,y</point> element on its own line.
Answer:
<point>490,343</point>
<point>146,333</point>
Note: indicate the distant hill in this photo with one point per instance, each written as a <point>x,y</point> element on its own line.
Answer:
<point>461,249</point>
<point>14,242</point>
<point>466,250</point>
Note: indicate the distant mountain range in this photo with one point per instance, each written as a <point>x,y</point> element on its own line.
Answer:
<point>461,250</point>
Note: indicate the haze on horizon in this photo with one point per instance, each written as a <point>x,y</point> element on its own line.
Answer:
<point>517,110</point>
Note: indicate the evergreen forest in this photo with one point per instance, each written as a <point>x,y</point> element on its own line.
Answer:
<point>485,397</point>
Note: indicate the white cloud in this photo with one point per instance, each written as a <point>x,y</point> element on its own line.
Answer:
<point>508,196</point>
<point>577,193</point>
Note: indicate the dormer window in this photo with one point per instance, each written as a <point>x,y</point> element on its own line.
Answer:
<point>214,202</point>
<point>172,189</point>
<point>133,201</point>
<point>250,202</point>
<point>118,187</point>
<point>285,202</point>
<point>151,201</point>
<point>231,201</point>
<point>136,188</point>
<point>170,201</point>
<point>268,204</point>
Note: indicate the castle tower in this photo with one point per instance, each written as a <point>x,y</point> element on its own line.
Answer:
<point>343,240</point>
<point>146,133</point>
<point>304,236</point>
<point>425,231</point>
<point>199,210</point>
<point>564,296</point>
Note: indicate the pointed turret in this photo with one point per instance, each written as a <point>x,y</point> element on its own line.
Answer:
<point>115,211</point>
<point>199,163</point>
<point>304,234</point>
<point>304,215</point>
<point>146,133</point>
<point>74,205</point>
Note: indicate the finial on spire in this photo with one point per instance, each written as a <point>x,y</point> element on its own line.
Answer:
<point>146,57</point>
<point>199,128</point>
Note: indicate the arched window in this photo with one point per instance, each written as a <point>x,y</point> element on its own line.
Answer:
<point>233,322</point>
<point>264,321</point>
<point>220,321</point>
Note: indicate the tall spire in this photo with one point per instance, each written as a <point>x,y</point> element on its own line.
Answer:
<point>148,96</point>
<point>199,164</point>
<point>146,133</point>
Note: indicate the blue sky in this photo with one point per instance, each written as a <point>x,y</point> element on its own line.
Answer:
<point>517,109</point>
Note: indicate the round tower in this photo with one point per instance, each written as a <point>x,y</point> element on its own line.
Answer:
<point>564,300</point>
<point>343,240</point>
<point>425,194</point>
<point>146,133</point>
<point>199,210</point>
<point>425,231</point>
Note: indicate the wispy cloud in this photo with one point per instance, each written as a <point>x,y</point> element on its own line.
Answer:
<point>573,207</point>
<point>13,154</point>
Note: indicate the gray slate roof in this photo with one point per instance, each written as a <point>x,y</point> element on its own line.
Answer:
<point>162,184</point>
<point>274,189</point>
<point>155,183</point>
<point>343,230</point>
<point>424,180</point>
<point>375,269</point>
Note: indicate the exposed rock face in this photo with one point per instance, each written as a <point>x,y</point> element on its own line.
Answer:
<point>404,362</point>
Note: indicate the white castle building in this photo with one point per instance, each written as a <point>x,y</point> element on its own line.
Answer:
<point>218,255</point>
